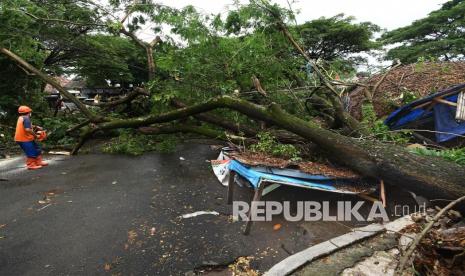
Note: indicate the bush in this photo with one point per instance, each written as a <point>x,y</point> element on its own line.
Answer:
<point>56,128</point>
<point>379,130</point>
<point>268,144</point>
<point>454,155</point>
<point>7,143</point>
<point>135,144</point>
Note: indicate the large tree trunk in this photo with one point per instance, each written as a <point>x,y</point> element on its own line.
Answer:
<point>394,164</point>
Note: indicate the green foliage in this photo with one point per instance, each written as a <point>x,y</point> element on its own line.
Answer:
<point>255,16</point>
<point>201,55</point>
<point>6,140</point>
<point>50,46</point>
<point>267,144</point>
<point>439,35</point>
<point>127,142</point>
<point>408,97</point>
<point>110,58</point>
<point>56,128</point>
<point>378,129</point>
<point>166,144</point>
<point>454,155</point>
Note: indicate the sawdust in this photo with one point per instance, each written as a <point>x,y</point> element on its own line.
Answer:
<point>242,267</point>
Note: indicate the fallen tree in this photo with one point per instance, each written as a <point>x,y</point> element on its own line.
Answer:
<point>391,163</point>
<point>394,164</point>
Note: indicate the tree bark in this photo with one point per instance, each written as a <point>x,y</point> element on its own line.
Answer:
<point>148,47</point>
<point>218,121</point>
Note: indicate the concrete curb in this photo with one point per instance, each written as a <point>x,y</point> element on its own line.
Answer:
<point>291,263</point>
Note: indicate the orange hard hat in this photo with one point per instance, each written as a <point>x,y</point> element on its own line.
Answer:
<point>24,109</point>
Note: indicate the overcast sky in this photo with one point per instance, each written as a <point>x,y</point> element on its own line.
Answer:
<point>389,14</point>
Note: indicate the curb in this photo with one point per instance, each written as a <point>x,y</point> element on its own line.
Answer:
<point>292,263</point>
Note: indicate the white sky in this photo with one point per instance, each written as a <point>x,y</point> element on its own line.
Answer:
<point>389,14</point>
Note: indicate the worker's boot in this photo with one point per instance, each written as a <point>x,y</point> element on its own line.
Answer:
<point>40,162</point>
<point>31,164</point>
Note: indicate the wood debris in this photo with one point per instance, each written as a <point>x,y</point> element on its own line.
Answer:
<point>442,250</point>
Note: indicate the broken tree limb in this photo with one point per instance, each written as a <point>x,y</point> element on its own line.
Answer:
<point>78,126</point>
<point>52,82</point>
<point>425,230</point>
<point>108,105</point>
<point>340,113</point>
<point>381,80</point>
<point>148,47</point>
<point>256,83</point>
<point>85,135</point>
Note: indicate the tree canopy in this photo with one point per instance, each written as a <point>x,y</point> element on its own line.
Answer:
<point>336,37</point>
<point>439,35</point>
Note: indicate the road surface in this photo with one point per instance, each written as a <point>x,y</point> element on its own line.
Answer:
<point>100,214</point>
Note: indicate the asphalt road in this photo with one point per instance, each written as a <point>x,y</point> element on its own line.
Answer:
<point>102,214</point>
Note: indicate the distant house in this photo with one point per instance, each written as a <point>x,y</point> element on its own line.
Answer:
<point>79,87</point>
<point>104,92</point>
<point>63,82</point>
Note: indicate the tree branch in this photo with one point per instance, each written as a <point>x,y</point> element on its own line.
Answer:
<point>52,82</point>
<point>62,21</point>
<point>381,80</point>
<point>341,115</point>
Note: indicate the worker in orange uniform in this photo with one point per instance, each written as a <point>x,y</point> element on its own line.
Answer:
<point>26,138</point>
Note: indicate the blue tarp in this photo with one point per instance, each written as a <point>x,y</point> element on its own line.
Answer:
<point>443,115</point>
<point>255,177</point>
<point>446,123</point>
<point>291,173</point>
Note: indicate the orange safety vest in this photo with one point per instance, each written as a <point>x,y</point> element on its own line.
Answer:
<point>21,135</point>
